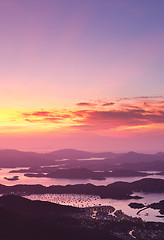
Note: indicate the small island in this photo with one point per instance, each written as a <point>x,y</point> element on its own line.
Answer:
<point>136,205</point>
<point>159,206</point>
<point>15,178</point>
<point>78,173</point>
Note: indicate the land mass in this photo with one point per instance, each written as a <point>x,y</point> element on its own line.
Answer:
<point>72,158</point>
<point>14,178</point>
<point>117,190</point>
<point>77,173</point>
<point>157,205</point>
<point>43,220</point>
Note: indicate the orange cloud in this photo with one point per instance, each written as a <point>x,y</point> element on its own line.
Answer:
<point>131,115</point>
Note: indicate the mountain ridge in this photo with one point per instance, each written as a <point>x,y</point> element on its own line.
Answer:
<point>15,158</point>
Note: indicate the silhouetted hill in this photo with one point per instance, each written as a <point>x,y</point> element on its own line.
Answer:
<point>150,185</point>
<point>117,190</point>
<point>157,165</point>
<point>78,154</point>
<point>22,219</point>
<point>69,154</point>
<point>22,205</point>
<point>14,158</point>
<point>126,173</point>
<point>99,165</point>
<point>25,219</point>
<point>77,173</point>
<point>133,157</point>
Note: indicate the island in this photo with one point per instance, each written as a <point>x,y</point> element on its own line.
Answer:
<point>78,173</point>
<point>117,190</point>
<point>158,205</point>
<point>15,178</point>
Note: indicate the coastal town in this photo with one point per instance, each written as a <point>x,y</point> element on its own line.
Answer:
<point>119,224</point>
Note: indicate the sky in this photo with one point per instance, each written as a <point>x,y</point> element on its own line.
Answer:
<point>84,74</point>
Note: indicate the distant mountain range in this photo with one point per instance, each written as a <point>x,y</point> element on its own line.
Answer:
<point>79,154</point>
<point>75,158</point>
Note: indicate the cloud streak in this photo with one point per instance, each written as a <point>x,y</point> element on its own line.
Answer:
<point>97,117</point>
<point>96,104</point>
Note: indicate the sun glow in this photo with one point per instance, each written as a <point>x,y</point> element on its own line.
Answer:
<point>99,117</point>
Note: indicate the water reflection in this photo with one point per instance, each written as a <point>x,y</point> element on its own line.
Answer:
<point>78,200</point>
<point>85,200</point>
<point>4,172</point>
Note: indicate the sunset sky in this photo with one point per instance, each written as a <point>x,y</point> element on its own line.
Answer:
<point>84,74</point>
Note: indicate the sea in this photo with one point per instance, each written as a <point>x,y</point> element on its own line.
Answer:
<point>78,200</point>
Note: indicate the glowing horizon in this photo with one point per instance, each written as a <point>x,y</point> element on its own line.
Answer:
<point>84,74</point>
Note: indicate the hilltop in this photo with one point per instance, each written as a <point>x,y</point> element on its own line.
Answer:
<point>72,158</point>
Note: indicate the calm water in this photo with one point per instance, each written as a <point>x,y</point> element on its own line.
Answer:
<point>85,200</point>
<point>77,200</point>
<point>4,172</point>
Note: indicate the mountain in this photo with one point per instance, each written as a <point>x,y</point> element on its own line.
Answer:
<point>22,205</point>
<point>157,165</point>
<point>14,158</point>
<point>79,154</point>
<point>149,185</point>
<point>69,154</point>
<point>133,157</point>
<point>116,190</point>
<point>105,160</point>
<point>21,218</point>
